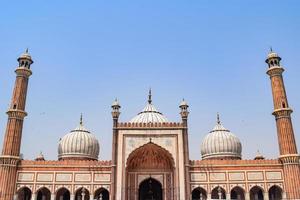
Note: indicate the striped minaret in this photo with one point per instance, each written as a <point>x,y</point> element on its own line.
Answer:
<point>286,138</point>
<point>12,140</point>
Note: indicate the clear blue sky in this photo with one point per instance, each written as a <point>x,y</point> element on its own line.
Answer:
<point>211,53</point>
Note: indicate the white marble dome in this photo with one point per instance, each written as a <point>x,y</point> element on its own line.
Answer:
<point>220,143</point>
<point>79,144</point>
<point>149,114</point>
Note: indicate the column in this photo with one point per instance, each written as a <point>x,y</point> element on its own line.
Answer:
<point>266,196</point>
<point>247,196</point>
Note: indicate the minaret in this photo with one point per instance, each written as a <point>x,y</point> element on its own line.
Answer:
<point>115,115</point>
<point>184,117</point>
<point>12,140</point>
<point>286,138</point>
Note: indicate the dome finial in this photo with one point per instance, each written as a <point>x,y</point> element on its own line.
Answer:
<point>218,118</point>
<point>150,97</point>
<point>81,123</point>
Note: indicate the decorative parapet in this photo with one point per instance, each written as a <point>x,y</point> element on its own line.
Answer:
<point>216,163</point>
<point>17,114</point>
<point>275,71</point>
<point>65,163</point>
<point>23,71</point>
<point>164,125</point>
<point>282,113</point>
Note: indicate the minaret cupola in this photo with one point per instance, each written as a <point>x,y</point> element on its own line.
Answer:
<point>25,60</point>
<point>273,59</point>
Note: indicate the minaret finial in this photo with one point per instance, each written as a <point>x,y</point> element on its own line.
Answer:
<point>81,123</point>
<point>218,118</point>
<point>26,51</point>
<point>150,97</point>
<point>271,49</point>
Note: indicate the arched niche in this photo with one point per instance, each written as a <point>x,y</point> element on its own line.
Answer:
<point>150,156</point>
<point>199,194</point>
<point>218,192</point>
<point>43,194</point>
<point>101,194</point>
<point>62,194</point>
<point>237,193</point>
<point>275,193</point>
<point>24,193</point>
<point>82,194</point>
<point>256,193</point>
<point>150,189</point>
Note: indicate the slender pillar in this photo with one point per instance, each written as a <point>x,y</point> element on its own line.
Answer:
<point>12,140</point>
<point>184,116</point>
<point>286,138</point>
<point>266,195</point>
<point>115,115</point>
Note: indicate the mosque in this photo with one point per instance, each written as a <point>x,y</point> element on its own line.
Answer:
<point>150,157</point>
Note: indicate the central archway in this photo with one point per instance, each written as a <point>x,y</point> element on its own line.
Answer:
<point>150,189</point>
<point>150,162</point>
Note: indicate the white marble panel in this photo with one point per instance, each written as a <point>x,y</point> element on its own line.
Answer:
<point>198,177</point>
<point>24,176</point>
<point>274,175</point>
<point>218,176</point>
<point>67,177</point>
<point>253,176</point>
<point>83,177</point>
<point>236,176</point>
<point>44,177</point>
<point>101,177</point>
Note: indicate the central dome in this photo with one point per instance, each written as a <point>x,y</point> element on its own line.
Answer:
<point>220,143</point>
<point>79,144</point>
<point>149,114</point>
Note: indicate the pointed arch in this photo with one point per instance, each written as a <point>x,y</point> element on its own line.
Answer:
<point>24,193</point>
<point>150,189</point>
<point>101,192</point>
<point>216,191</point>
<point>150,156</point>
<point>82,193</point>
<point>43,194</point>
<point>62,194</point>
<point>199,193</point>
<point>256,193</point>
<point>237,193</point>
<point>275,193</point>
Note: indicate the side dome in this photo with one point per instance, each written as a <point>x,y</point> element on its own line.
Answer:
<point>220,143</point>
<point>149,114</point>
<point>79,144</point>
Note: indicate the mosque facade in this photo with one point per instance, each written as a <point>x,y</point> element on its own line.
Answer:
<point>150,157</point>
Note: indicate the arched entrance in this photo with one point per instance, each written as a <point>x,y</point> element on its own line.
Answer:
<point>62,194</point>
<point>82,194</point>
<point>256,193</point>
<point>24,194</point>
<point>150,189</point>
<point>43,194</point>
<point>275,193</point>
<point>102,194</point>
<point>218,193</point>
<point>237,193</point>
<point>154,163</point>
<point>199,194</point>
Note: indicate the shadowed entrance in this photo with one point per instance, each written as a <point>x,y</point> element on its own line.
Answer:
<point>150,189</point>
<point>155,167</point>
